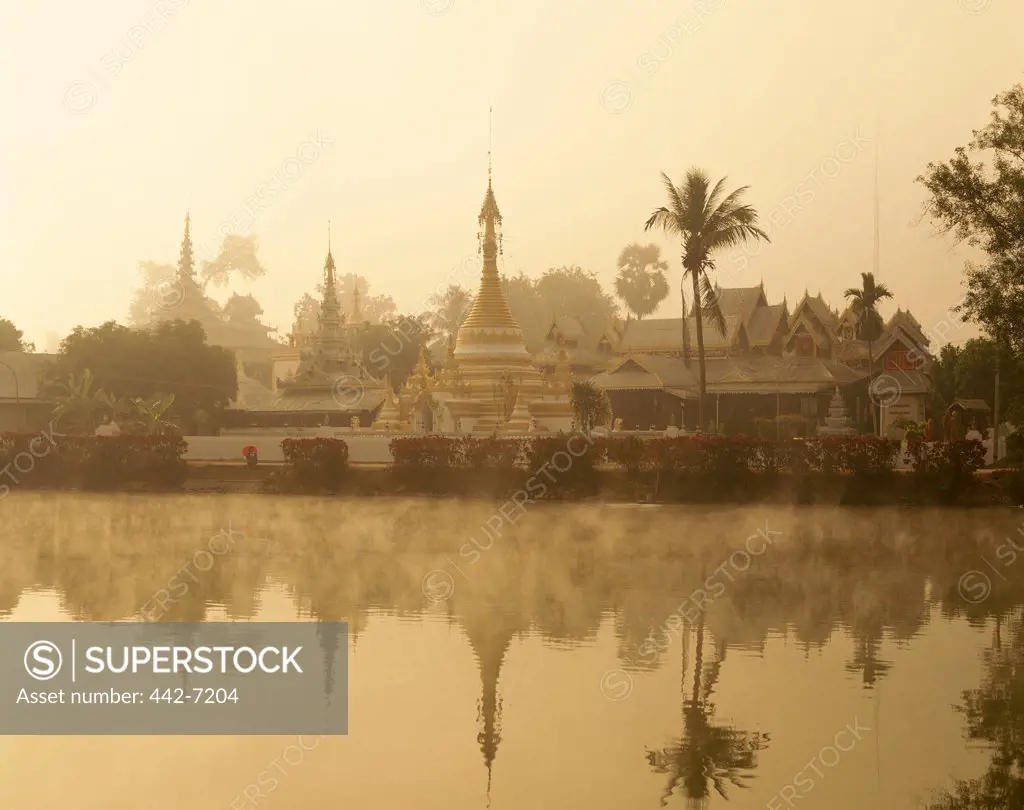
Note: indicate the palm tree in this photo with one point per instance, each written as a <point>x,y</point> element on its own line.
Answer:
<point>449,310</point>
<point>864,303</point>
<point>706,220</point>
<point>707,755</point>
<point>641,281</point>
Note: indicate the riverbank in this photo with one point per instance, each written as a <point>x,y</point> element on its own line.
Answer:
<point>984,488</point>
<point>859,471</point>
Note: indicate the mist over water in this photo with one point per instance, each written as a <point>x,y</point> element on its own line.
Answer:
<point>588,656</point>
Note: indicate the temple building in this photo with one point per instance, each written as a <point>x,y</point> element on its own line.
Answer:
<point>767,365</point>
<point>331,388</point>
<point>587,354</point>
<point>236,326</point>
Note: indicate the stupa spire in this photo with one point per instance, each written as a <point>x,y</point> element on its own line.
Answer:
<point>329,307</point>
<point>357,306</point>
<point>186,261</point>
<point>490,307</point>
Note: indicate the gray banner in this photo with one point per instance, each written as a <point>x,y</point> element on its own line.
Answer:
<point>147,678</point>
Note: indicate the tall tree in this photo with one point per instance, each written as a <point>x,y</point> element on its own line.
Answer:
<point>864,303</point>
<point>978,196</point>
<point>943,375</point>
<point>392,349</point>
<point>449,310</point>
<point>160,284</point>
<point>171,359</point>
<point>706,220</point>
<point>375,308</point>
<point>571,290</point>
<point>237,256</point>
<point>968,372</point>
<point>147,298</point>
<point>561,291</point>
<point>306,311</point>
<point>528,308</point>
<point>12,338</point>
<point>641,282</point>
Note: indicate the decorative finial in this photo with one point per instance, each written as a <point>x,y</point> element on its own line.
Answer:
<point>490,141</point>
<point>328,236</point>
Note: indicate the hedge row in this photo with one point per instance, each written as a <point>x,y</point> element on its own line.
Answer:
<point>855,470</point>
<point>698,469</point>
<point>48,460</point>
<point>317,465</point>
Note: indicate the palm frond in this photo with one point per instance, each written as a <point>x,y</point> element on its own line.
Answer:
<point>710,304</point>
<point>664,220</point>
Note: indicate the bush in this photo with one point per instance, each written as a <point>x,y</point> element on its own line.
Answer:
<point>544,466</point>
<point>564,466</point>
<point>945,469</point>
<point>317,464</point>
<point>91,462</point>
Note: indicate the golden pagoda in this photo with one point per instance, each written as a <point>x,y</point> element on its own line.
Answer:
<point>498,385</point>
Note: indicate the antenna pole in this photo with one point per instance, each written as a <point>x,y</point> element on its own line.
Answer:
<point>877,258</point>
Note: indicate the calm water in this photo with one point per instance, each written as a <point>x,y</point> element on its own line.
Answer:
<point>545,670</point>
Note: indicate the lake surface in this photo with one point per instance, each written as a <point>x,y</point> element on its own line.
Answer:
<point>838,659</point>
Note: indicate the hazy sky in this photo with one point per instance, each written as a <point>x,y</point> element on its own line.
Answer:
<point>374,115</point>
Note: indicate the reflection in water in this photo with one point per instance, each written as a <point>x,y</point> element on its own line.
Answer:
<point>707,754</point>
<point>845,605</point>
<point>995,715</point>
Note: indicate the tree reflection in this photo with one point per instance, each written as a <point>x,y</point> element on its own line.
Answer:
<point>707,755</point>
<point>995,715</point>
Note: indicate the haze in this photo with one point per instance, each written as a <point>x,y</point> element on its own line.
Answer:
<point>210,107</point>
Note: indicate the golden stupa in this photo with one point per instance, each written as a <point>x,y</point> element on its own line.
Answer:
<point>499,389</point>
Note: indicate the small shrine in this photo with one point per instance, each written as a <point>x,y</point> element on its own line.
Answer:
<point>837,423</point>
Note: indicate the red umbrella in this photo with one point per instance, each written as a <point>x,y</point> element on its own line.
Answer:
<point>249,448</point>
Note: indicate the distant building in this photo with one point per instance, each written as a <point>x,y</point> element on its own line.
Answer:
<point>23,408</point>
<point>767,363</point>
<point>584,352</point>
<point>330,386</point>
<point>236,327</point>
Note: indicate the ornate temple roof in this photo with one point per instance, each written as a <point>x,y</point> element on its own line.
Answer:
<point>757,374</point>
<point>764,323</point>
<point>648,372</point>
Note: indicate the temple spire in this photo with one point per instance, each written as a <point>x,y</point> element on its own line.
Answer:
<point>186,262</point>
<point>357,306</point>
<point>490,307</point>
<point>330,309</point>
